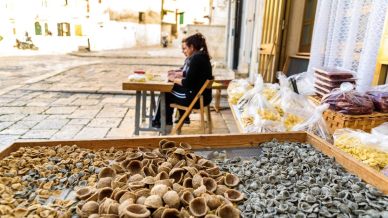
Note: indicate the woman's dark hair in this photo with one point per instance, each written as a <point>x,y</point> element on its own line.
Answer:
<point>198,41</point>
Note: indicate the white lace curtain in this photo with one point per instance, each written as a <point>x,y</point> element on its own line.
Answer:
<point>347,34</point>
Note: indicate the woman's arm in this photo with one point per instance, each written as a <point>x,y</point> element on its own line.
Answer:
<point>194,73</point>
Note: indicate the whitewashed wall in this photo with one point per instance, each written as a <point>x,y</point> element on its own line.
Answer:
<point>215,37</point>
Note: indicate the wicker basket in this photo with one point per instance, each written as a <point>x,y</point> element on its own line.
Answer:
<point>335,120</point>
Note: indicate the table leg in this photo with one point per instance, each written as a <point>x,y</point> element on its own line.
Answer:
<point>137,112</point>
<point>163,113</point>
<point>144,106</point>
<point>152,108</point>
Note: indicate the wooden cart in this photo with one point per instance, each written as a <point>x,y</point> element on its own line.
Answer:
<point>352,165</point>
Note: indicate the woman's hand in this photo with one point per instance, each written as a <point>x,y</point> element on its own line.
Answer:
<point>171,77</point>
<point>178,81</point>
<point>178,74</point>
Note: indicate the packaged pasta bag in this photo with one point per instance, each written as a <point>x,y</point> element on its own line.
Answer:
<point>251,95</point>
<point>346,100</point>
<point>270,90</point>
<point>287,101</point>
<point>363,146</point>
<point>267,118</point>
<point>137,78</point>
<point>379,96</point>
<point>315,124</point>
<point>381,132</point>
<point>303,83</point>
<point>248,120</point>
<point>236,90</point>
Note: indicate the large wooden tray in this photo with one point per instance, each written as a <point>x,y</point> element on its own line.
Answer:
<point>352,165</point>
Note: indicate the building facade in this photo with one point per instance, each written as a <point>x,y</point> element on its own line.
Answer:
<point>65,25</point>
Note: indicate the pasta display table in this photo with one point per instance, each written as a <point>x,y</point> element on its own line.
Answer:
<point>217,163</point>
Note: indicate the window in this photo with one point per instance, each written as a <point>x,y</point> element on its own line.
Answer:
<point>307,26</point>
<point>46,30</point>
<point>63,29</point>
<point>141,17</point>
<point>38,29</point>
<point>78,30</point>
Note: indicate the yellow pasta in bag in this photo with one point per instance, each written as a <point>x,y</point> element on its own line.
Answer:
<point>362,146</point>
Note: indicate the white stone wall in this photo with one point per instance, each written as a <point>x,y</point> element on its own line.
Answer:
<point>215,38</point>
<point>102,33</point>
<point>115,35</point>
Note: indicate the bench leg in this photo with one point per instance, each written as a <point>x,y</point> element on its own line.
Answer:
<point>218,98</point>
<point>209,119</point>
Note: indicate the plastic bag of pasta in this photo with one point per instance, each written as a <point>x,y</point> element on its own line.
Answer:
<point>381,132</point>
<point>287,100</point>
<point>253,96</point>
<point>379,96</point>
<point>270,90</point>
<point>137,78</point>
<point>363,146</point>
<point>268,121</point>
<point>248,121</point>
<point>237,89</point>
<point>346,100</point>
<point>315,124</point>
<point>267,118</point>
<point>303,83</point>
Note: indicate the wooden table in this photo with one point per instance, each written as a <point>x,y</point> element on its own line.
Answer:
<point>141,89</point>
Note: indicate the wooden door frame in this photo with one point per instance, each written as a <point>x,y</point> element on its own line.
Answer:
<point>282,47</point>
<point>278,39</point>
<point>237,34</point>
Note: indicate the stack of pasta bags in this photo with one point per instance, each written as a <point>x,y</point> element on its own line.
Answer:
<point>327,79</point>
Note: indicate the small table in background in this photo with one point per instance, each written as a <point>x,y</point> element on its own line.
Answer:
<point>141,89</point>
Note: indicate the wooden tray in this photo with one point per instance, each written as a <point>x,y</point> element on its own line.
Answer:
<point>352,165</point>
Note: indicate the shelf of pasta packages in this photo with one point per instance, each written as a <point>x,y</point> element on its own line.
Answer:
<point>233,175</point>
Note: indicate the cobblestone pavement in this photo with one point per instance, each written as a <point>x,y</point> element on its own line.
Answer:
<point>72,97</point>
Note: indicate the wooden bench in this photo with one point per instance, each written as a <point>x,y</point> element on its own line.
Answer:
<point>219,85</point>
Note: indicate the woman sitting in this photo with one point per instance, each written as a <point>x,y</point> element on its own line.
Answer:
<point>198,70</point>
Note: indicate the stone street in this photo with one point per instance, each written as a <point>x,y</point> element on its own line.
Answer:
<point>79,96</point>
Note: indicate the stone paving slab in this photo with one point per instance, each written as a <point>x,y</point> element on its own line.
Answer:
<point>112,112</point>
<point>105,122</point>
<point>14,131</point>
<point>4,125</point>
<point>24,124</point>
<point>35,117</point>
<point>22,110</point>
<point>6,140</point>
<point>79,121</point>
<point>92,133</point>
<point>51,124</point>
<point>120,132</point>
<point>84,114</point>
<point>68,132</point>
<point>39,134</point>
<point>61,110</point>
<point>11,117</point>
